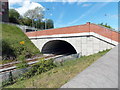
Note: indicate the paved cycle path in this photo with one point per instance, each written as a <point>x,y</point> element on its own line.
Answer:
<point>101,74</point>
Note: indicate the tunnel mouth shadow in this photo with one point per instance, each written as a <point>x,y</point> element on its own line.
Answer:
<point>58,47</point>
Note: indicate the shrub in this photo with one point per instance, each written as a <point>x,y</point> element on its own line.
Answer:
<point>10,78</point>
<point>23,62</point>
<point>40,67</point>
<point>7,51</point>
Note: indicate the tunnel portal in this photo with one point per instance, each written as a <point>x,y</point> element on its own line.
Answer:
<point>58,47</point>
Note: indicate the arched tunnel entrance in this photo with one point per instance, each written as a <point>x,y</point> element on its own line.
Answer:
<point>58,47</point>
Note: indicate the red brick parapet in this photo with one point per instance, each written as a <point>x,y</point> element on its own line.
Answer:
<point>88,27</point>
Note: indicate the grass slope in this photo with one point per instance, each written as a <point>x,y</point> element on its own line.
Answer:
<point>60,75</point>
<point>11,47</point>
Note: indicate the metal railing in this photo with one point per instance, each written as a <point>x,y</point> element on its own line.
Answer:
<point>23,27</point>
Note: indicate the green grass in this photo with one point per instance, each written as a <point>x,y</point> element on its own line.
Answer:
<point>60,75</point>
<point>11,47</point>
<point>5,61</point>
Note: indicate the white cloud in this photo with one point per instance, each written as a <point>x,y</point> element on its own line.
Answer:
<point>28,5</point>
<point>69,1</point>
<point>51,14</point>
<point>25,5</point>
<point>75,1</point>
<point>115,16</point>
<point>47,0</point>
<point>86,5</point>
<point>11,2</point>
<point>79,3</point>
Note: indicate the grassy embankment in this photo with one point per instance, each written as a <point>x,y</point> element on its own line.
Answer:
<point>11,47</point>
<point>58,76</point>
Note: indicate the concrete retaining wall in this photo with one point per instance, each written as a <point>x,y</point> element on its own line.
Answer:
<point>84,43</point>
<point>67,58</point>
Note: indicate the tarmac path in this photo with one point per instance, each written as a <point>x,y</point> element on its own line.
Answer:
<point>101,74</point>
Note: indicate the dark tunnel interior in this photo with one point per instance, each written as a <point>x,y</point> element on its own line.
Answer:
<point>58,47</point>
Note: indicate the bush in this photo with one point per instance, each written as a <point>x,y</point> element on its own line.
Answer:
<point>40,67</point>
<point>23,62</point>
<point>7,51</point>
<point>10,78</point>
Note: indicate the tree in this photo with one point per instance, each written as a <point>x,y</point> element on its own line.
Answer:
<point>37,13</point>
<point>36,16</point>
<point>38,24</point>
<point>25,21</point>
<point>105,25</point>
<point>101,24</point>
<point>42,25</point>
<point>50,24</point>
<point>13,16</point>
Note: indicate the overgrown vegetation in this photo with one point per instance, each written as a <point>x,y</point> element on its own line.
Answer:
<point>11,47</point>
<point>58,76</point>
<point>40,67</point>
<point>23,62</point>
<point>35,69</point>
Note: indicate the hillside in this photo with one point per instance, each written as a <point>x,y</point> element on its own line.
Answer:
<point>11,46</point>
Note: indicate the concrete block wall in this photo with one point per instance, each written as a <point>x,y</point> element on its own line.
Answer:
<point>83,44</point>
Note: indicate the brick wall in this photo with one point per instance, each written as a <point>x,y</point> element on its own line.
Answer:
<point>88,27</point>
<point>105,32</point>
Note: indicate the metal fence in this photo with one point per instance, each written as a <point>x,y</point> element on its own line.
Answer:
<point>23,27</point>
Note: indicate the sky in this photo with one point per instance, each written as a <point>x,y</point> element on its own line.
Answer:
<point>70,13</point>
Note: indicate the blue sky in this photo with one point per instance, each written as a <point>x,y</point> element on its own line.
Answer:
<point>70,14</point>
<point>74,14</point>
